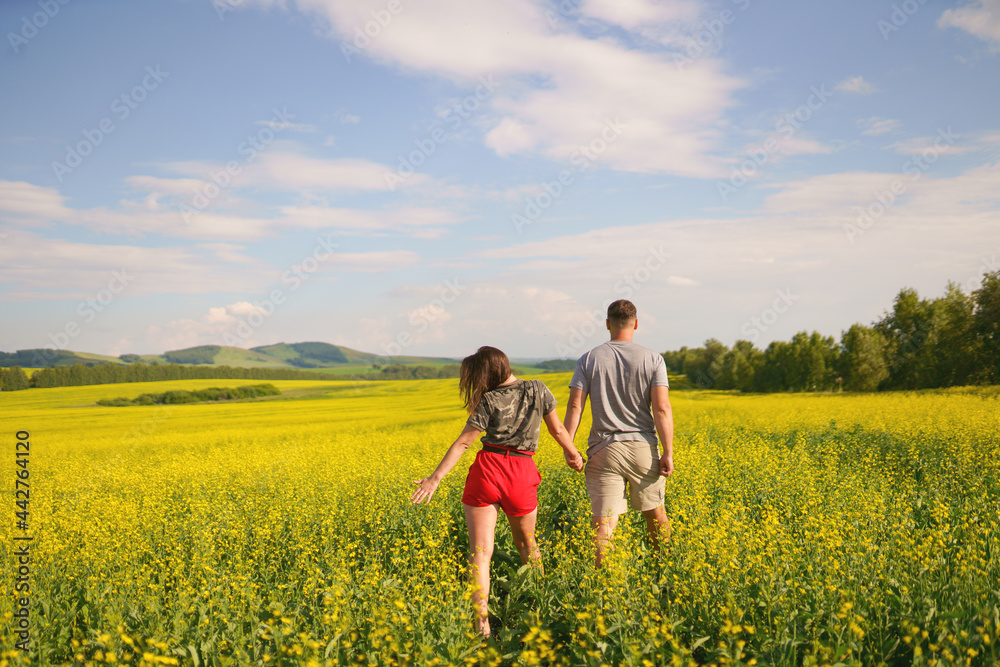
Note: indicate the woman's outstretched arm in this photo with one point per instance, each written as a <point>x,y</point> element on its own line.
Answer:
<point>428,485</point>
<point>559,432</point>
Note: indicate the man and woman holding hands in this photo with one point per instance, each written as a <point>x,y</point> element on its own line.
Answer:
<point>627,387</point>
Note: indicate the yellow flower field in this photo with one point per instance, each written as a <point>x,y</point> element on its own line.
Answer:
<point>807,529</point>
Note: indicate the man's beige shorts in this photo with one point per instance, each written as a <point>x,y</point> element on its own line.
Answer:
<point>607,472</point>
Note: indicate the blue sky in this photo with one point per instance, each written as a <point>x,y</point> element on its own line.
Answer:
<point>408,177</point>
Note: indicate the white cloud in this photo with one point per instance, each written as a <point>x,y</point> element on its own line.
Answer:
<point>229,253</point>
<point>289,171</point>
<point>773,149</point>
<point>632,14</point>
<point>921,199</point>
<point>990,139</point>
<point>34,267</point>
<point>121,346</point>
<point>158,204</point>
<point>819,195</point>
<point>215,327</point>
<point>798,145</point>
<point>980,18</point>
<point>412,220</point>
<point>433,314</point>
<point>26,204</point>
<point>973,194</point>
<point>372,262</point>
<point>556,91</point>
<point>671,22</point>
<point>159,187</point>
<point>856,85</point>
<point>680,281</point>
<point>294,127</point>
<point>245,308</point>
<point>284,167</point>
<point>876,125</point>
<point>920,145</point>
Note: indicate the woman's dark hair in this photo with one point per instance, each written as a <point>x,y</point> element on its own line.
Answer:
<point>487,369</point>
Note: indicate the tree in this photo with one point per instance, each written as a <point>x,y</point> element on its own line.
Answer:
<point>986,324</point>
<point>739,366</point>
<point>863,365</point>
<point>773,373</point>
<point>675,360</point>
<point>952,344</point>
<point>703,365</point>
<point>13,379</point>
<point>906,330</point>
<point>812,358</point>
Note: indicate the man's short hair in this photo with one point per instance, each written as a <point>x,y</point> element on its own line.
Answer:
<point>621,312</point>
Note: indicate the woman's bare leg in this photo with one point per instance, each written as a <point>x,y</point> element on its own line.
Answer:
<point>482,523</point>
<point>604,527</point>
<point>523,530</point>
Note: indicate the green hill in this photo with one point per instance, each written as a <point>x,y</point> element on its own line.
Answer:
<point>44,358</point>
<point>299,355</point>
<point>306,355</point>
<point>237,356</point>
<point>325,355</point>
<point>203,354</point>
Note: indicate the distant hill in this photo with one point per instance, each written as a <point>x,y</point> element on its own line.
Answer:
<point>306,355</point>
<point>219,355</point>
<point>281,355</point>
<point>44,358</point>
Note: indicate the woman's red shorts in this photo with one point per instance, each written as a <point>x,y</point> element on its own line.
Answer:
<point>511,481</point>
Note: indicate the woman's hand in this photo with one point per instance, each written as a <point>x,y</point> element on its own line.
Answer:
<point>426,488</point>
<point>428,485</point>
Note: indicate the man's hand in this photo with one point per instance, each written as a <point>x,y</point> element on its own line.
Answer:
<point>574,460</point>
<point>427,487</point>
<point>666,465</point>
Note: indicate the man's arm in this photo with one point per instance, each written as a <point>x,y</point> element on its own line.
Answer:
<point>663,416</point>
<point>574,411</point>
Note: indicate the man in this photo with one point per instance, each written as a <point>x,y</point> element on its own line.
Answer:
<point>627,385</point>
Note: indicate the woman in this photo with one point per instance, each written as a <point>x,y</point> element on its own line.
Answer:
<point>503,476</point>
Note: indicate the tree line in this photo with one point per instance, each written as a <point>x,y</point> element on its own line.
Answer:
<point>408,372</point>
<point>14,378</point>
<point>951,340</point>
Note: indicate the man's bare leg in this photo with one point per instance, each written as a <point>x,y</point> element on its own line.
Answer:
<point>657,527</point>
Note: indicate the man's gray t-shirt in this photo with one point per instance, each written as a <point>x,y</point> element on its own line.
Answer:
<point>619,377</point>
<point>512,415</point>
